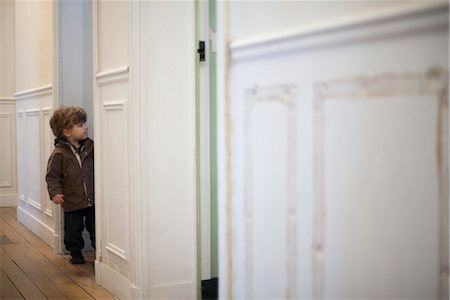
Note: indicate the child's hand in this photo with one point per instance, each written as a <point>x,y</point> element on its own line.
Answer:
<point>58,199</point>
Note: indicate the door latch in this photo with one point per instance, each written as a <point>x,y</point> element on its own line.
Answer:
<point>201,50</point>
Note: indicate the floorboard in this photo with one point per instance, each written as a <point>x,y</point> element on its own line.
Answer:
<point>30,269</point>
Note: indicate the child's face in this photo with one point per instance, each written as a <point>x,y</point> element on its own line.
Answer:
<point>78,132</point>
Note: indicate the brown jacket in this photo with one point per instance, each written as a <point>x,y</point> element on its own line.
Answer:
<point>65,176</point>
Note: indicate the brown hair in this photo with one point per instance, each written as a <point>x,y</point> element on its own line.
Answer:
<point>65,118</point>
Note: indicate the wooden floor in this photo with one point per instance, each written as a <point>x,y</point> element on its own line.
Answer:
<point>30,269</point>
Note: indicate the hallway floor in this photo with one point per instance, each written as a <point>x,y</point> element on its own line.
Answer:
<point>30,269</point>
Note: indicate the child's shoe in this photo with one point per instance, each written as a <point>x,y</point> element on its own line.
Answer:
<point>77,258</point>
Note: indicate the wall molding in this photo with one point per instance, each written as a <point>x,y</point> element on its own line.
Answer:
<point>7,100</point>
<point>113,105</point>
<point>178,290</point>
<point>284,95</point>
<point>139,273</point>
<point>414,18</point>
<point>36,92</point>
<point>8,200</point>
<point>10,140</point>
<point>48,212</point>
<point>116,251</point>
<point>370,88</point>
<point>432,81</point>
<point>34,204</point>
<point>112,75</point>
<point>112,280</point>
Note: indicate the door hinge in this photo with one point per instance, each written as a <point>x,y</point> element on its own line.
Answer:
<point>201,50</point>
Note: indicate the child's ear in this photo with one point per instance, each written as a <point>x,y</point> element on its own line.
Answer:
<point>67,132</point>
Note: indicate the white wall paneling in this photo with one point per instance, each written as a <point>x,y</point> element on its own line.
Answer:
<point>270,196</point>
<point>372,129</point>
<point>168,118</point>
<point>6,176</point>
<point>145,150</point>
<point>162,136</point>
<point>34,173</point>
<point>116,230</point>
<point>112,193</point>
<point>8,171</point>
<point>35,144</point>
<point>47,149</point>
<point>21,155</point>
<point>138,227</point>
<point>333,154</point>
<point>112,200</point>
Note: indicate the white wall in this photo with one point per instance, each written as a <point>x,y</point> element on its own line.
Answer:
<point>76,71</point>
<point>250,18</point>
<point>7,77</point>
<point>33,32</point>
<point>34,105</point>
<point>8,170</point>
<point>333,150</point>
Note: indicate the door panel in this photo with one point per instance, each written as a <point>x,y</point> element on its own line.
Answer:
<point>334,153</point>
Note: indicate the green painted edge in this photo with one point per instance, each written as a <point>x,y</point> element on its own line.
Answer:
<point>197,153</point>
<point>213,143</point>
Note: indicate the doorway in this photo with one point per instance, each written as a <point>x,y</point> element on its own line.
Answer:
<point>207,243</point>
<point>75,80</point>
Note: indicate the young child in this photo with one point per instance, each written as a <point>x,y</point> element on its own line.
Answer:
<point>70,177</point>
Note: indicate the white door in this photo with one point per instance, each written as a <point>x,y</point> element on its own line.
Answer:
<point>334,155</point>
<point>145,122</point>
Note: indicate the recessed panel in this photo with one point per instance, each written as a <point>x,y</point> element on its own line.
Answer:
<point>116,181</point>
<point>34,159</point>
<point>381,197</point>
<point>268,197</point>
<point>5,150</point>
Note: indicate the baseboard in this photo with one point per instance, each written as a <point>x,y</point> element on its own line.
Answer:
<point>180,290</point>
<point>36,226</point>
<point>113,281</point>
<point>8,200</point>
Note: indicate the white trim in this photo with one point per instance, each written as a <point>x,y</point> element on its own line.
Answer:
<point>116,251</point>
<point>34,204</point>
<point>341,23</point>
<point>112,75</point>
<point>7,100</point>
<point>224,147</point>
<point>138,262</point>
<point>113,105</point>
<point>8,200</point>
<point>324,36</point>
<point>32,112</point>
<point>48,212</point>
<point>112,281</point>
<point>22,198</point>
<point>36,92</point>
<point>43,231</point>
<point>284,95</point>
<point>57,212</point>
<point>7,115</point>
<point>99,205</point>
<point>179,290</point>
<point>46,110</point>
